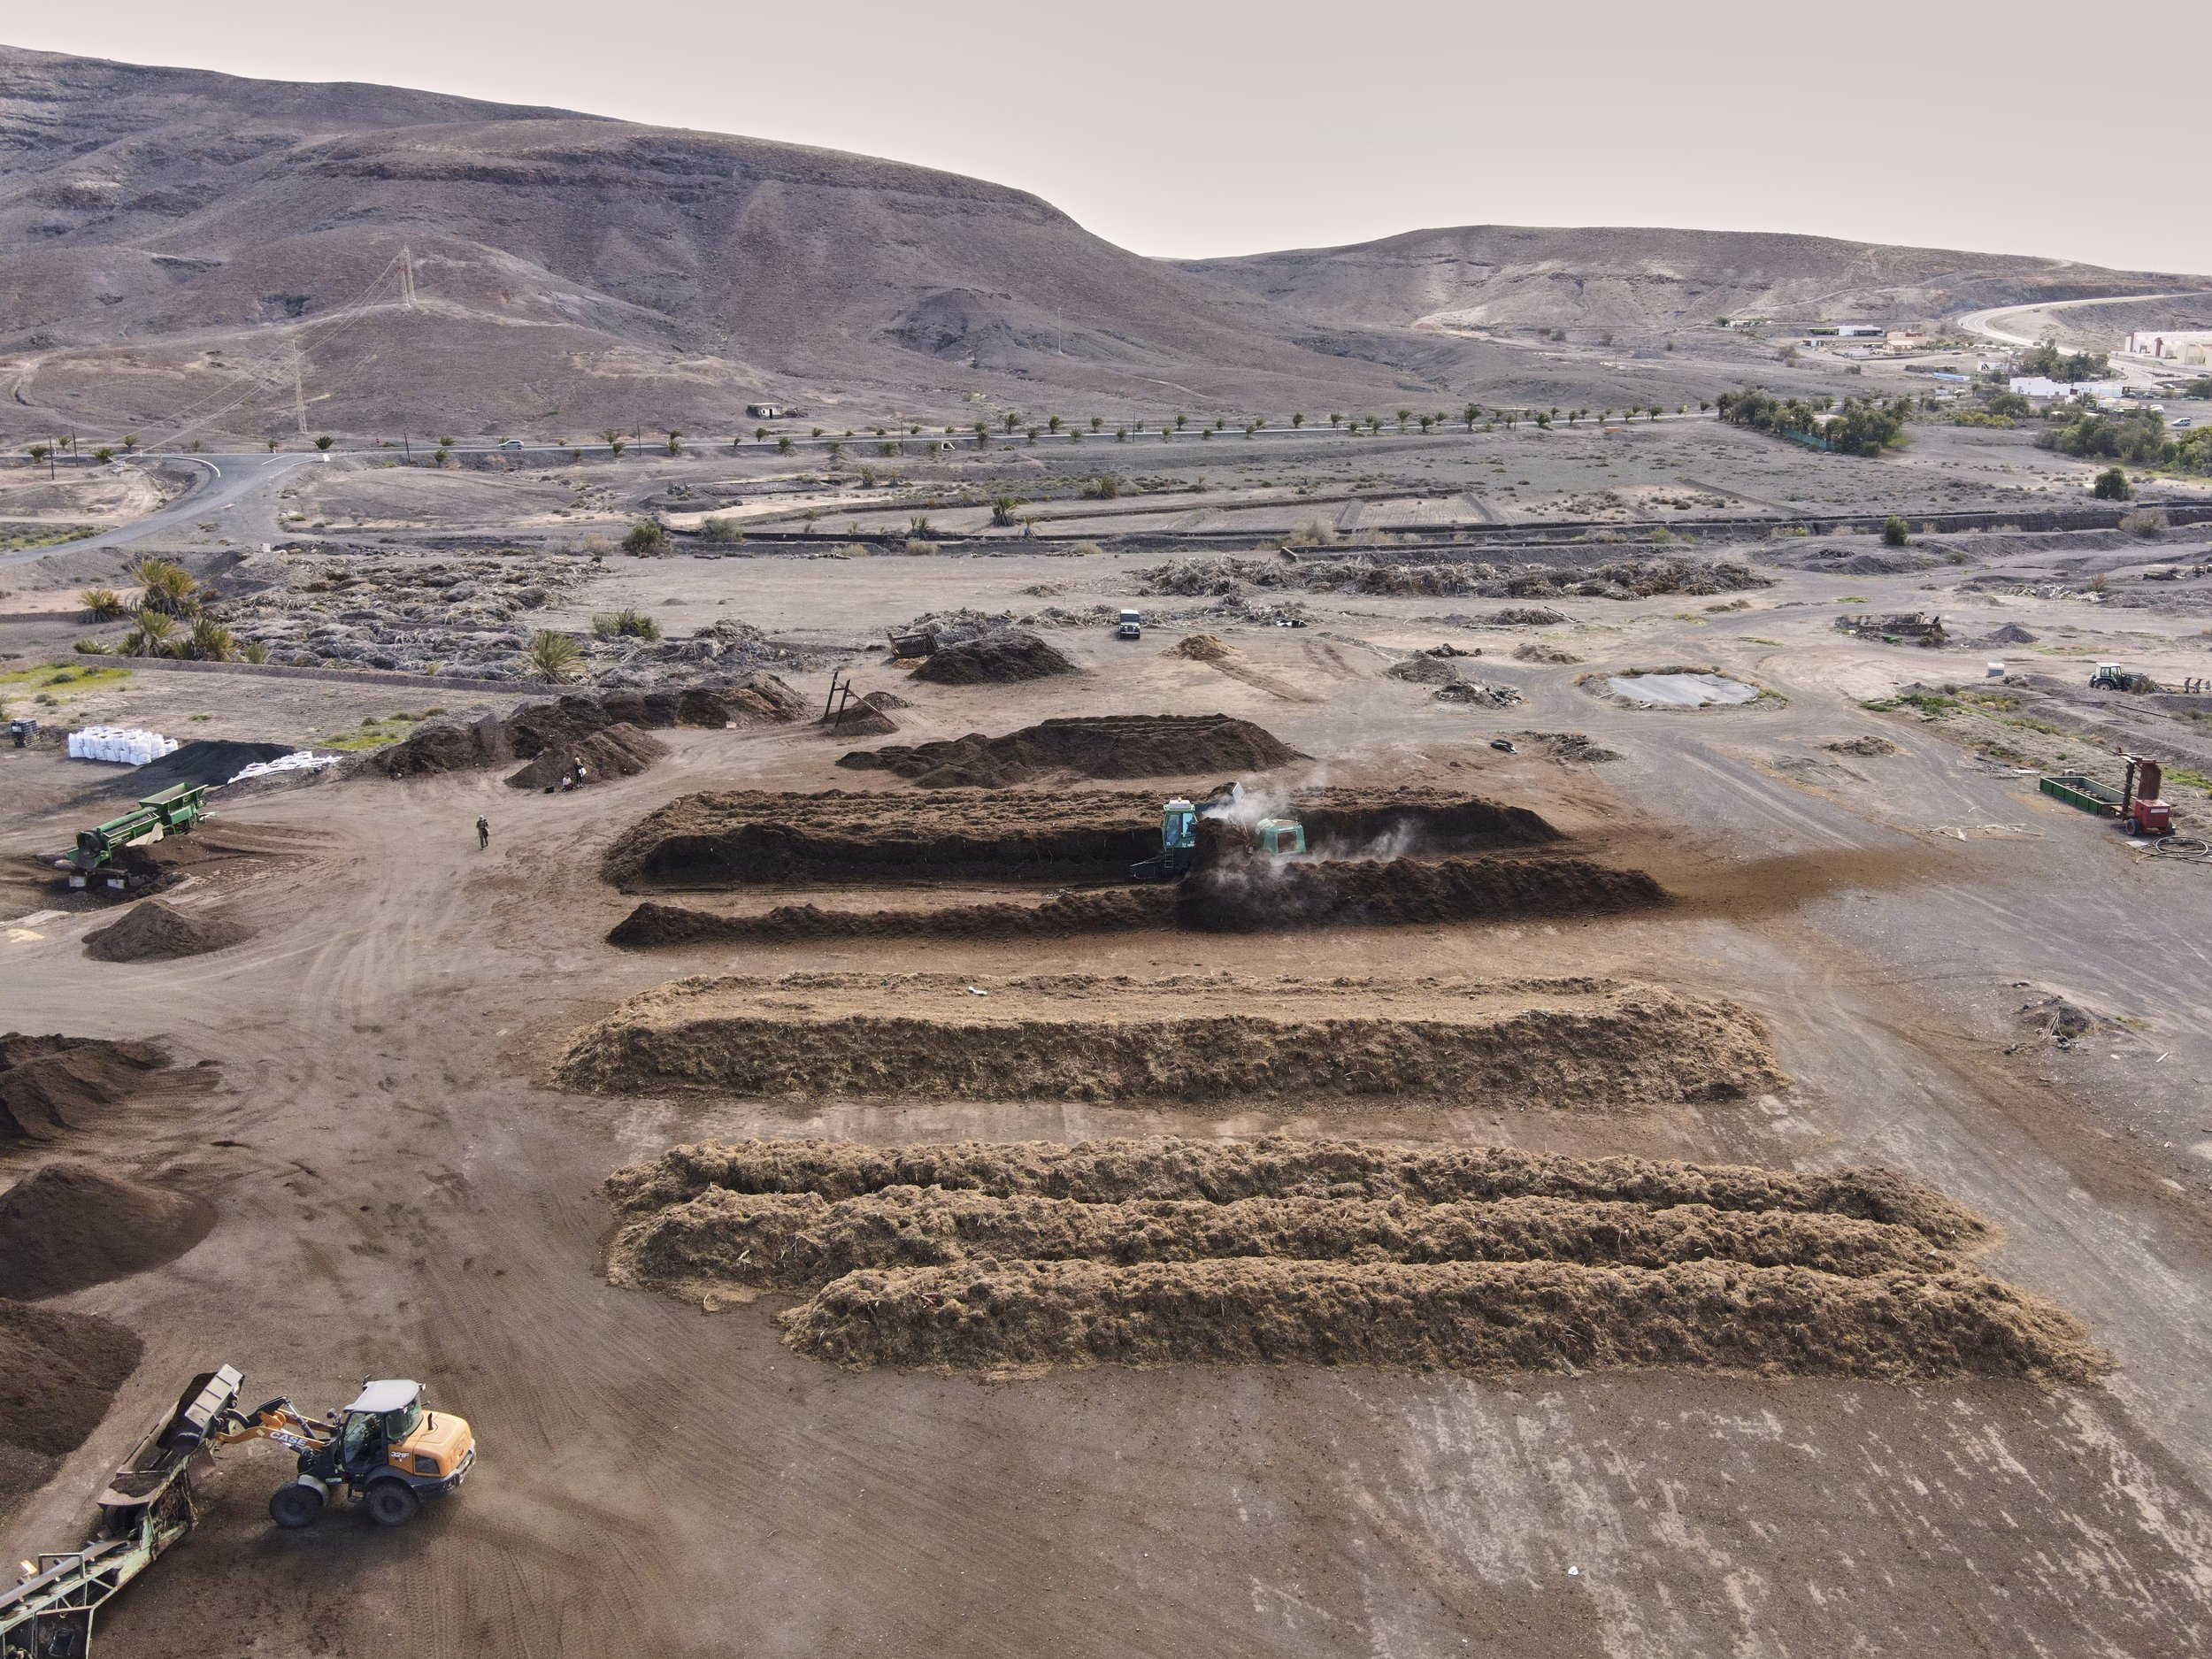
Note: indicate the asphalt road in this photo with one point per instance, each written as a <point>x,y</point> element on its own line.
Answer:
<point>226,478</point>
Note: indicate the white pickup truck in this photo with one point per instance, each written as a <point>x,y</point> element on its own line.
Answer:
<point>1132,626</point>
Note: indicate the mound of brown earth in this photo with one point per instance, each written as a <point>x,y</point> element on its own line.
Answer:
<point>45,1079</point>
<point>1479,1316</point>
<point>614,751</point>
<point>1527,617</point>
<point>1424,669</point>
<point>1536,651</point>
<point>2011,634</point>
<point>1869,745</point>
<point>1201,648</point>
<point>861,717</point>
<point>536,728</point>
<point>65,1226</point>
<point>1113,910</point>
<point>1284,1251</point>
<point>1563,1044</point>
<point>799,1240</point>
<point>1280,1166</point>
<point>997,658</point>
<point>737,838</point>
<point>1247,892</point>
<point>152,931</point>
<point>1093,746</point>
<point>57,1373</point>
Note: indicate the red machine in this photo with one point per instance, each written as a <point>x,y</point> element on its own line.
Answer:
<point>2140,808</point>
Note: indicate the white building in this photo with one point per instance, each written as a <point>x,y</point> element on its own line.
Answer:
<point>2189,347</point>
<point>2039,385</point>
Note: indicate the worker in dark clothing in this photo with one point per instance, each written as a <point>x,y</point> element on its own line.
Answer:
<point>483,834</point>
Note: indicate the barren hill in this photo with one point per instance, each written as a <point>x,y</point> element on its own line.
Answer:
<point>185,255</point>
<point>1648,280</point>
<point>180,246</point>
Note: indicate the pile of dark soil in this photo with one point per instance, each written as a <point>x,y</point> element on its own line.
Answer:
<point>868,716</point>
<point>536,728</point>
<point>1569,748</point>
<point>2058,1018</point>
<point>203,760</point>
<point>67,1226</point>
<point>799,1240</point>
<point>1096,746</point>
<point>58,1374</point>
<point>45,1079</point>
<point>1869,745</point>
<point>1479,1316</point>
<point>614,751</point>
<point>1282,1166</point>
<point>1424,669</point>
<point>2011,634</point>
<point>152,931</point>
<point>1579,1045</point>
<point>997,658</point>
<point>1240,891</point>
<point>730,840</point>
<point>1112,910</point>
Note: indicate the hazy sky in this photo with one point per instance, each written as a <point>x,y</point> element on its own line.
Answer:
<point>1228,127</point>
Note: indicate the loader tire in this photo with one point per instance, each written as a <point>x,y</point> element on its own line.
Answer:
<point>392,1502</point>
<point>296,1505</point>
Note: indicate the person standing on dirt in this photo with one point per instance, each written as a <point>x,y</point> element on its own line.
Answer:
<point>483,834</point>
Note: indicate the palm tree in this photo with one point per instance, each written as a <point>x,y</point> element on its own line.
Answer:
<point>1052,425</point>
<point>272,443</point>
<point>1097,421</point>
<point>168,585</point>
<point>1404,415</point>
<point>675,441</point>
<point>150,635</point>
<point>553,657</point>
<point>761,432</point>
<point>210,641</point>
<point>102,604</point>
<point>324,442</point>
<point>1002,510</point>
<point>1297,421</point>
<point>1012,421</point>
<point>1181,422</point>
<point>130,443</point>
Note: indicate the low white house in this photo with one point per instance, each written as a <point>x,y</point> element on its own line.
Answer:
<point>2042,385</point>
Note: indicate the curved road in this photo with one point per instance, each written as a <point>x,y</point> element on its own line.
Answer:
<point>225,479</point>
<point>1982,322</point>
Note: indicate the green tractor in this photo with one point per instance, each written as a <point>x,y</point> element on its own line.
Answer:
<point>1282,837</point>
<point>97,855</point>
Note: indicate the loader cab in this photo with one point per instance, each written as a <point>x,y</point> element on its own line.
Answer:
<point>1179,823</point>
<point>1284,836</point>
<point>387,1414</point>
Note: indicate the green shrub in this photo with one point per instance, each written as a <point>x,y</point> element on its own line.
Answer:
<point>645,537</point>
<point>627,623</point>
<point>1895,531</point>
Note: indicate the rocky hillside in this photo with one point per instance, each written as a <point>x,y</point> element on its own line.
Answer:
<point>182,249</point>
<point>1647,281</point>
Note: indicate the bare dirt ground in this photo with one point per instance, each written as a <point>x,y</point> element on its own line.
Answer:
<point>402,1183</point>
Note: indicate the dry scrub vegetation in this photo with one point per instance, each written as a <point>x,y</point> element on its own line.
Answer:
<point>977,1254</point>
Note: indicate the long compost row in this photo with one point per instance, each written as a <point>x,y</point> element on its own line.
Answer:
<point>976,1255</point>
